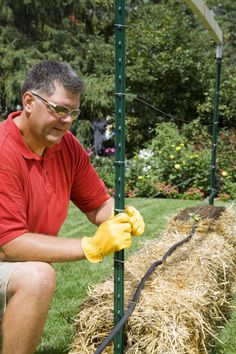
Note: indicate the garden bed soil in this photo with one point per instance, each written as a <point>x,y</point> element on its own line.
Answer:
<point>204,212</point>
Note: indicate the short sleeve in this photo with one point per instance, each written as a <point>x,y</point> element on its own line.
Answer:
<point>12,207</point>
<point>88,191</point>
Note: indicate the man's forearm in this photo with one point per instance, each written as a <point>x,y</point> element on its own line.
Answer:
<point>98,216</point>
<point>38,247</point>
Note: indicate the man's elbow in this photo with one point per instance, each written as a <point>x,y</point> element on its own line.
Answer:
<point>8,251</point>
<point>3,256</point>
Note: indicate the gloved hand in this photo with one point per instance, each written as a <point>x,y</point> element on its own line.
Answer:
<point>112,235</point>
<point>136,220</point>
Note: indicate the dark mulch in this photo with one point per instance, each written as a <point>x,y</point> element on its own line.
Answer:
<point>204,212</point>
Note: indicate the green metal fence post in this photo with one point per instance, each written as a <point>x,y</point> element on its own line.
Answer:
<point>215,125</point>
<point>119,163</point>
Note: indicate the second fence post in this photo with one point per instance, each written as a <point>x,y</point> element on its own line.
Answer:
<point>215,125</point>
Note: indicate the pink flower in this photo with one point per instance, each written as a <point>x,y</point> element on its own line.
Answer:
<point>90,151</point>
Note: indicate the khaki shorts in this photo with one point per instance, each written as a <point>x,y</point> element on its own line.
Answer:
<point>6,271</point>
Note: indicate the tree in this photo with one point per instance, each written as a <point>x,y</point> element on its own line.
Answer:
<point>225,12</point>
<point>168,65</point>
<point>31,30</point>
<point>170,57</point>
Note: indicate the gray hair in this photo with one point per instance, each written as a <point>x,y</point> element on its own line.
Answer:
<point>43,76</point>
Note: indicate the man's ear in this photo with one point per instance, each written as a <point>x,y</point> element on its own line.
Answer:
<point>27,101</point>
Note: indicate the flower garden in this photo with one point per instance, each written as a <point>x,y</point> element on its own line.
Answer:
<point>175,164</point>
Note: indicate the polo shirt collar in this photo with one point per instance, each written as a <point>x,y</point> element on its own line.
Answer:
<point>23,147</point>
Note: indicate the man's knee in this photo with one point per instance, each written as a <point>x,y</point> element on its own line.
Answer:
<point>36,278</point>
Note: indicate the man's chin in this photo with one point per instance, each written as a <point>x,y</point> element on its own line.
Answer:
<point>52,140</point>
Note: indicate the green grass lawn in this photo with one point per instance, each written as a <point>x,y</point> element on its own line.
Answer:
<point>74,278</point>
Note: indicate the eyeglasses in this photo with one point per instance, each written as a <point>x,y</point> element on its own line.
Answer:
<point>60,111</point>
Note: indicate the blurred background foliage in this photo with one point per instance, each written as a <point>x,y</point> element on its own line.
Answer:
<point>170,68</point>
<point>170,58</point>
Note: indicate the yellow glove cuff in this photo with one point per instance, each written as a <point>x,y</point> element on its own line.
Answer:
<point>92,253</point>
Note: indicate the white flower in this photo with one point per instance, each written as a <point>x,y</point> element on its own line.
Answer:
<point>145,154</point>
<point>146,168</point>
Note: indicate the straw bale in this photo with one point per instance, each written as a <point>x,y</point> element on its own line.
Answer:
<point>183,302</point>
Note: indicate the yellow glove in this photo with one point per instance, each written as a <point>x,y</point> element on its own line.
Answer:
<point>112,236</point>
<point>136,220</point>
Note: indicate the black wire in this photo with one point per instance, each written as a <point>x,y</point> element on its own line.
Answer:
<point>175,118</point>
<point>137,293</point>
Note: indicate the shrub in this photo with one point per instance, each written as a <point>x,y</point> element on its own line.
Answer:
<point>193,194</point>
<point>139,180</point>
<point>173,167</point>
<point>178,162</point>
<point>224,197</point>
<point>166,190</point>
<point>104,165</point>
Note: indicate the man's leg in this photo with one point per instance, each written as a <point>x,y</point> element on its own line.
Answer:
<point>30,292</point>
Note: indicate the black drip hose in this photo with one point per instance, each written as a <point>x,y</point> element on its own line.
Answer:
<point>137,293</point>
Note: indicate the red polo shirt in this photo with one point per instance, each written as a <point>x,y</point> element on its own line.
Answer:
<point>35,191</point>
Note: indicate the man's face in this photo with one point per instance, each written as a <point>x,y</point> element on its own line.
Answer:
<point>44,127</point>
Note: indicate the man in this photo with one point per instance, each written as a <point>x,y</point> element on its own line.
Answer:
<point>42,168</point>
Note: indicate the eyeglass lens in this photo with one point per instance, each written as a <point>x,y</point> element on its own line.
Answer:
<point>60,111</point>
